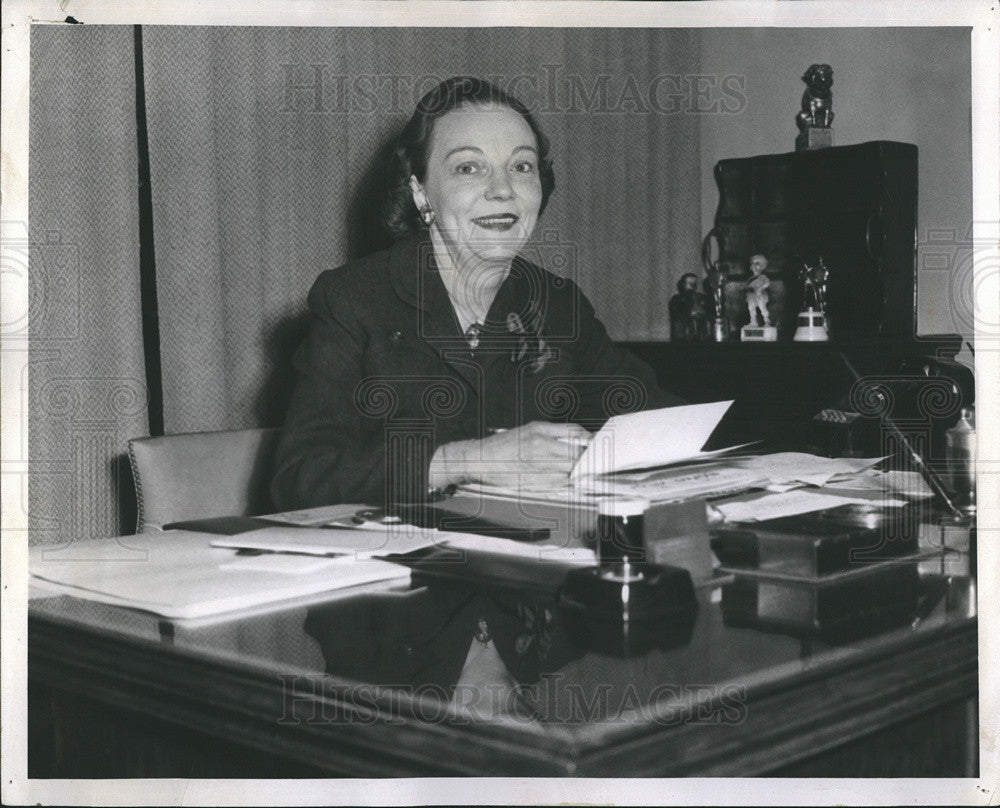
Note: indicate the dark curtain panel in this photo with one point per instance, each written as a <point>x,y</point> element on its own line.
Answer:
<point>266,147</point>
<point>87,392</point>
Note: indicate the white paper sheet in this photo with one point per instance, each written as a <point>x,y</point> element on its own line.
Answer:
<point>540,552</point>
<point>907,483</point>
<point>774,506</point>
<point>651,438</point>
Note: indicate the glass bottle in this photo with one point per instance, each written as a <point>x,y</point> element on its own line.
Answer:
<point>960,451</point>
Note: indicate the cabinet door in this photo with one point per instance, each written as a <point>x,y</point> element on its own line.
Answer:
<point>843,179</point>
<point>853,205</point>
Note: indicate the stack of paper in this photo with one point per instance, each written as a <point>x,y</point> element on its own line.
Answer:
<point>368,540</point>
<point>790,503</point>
<point>786,470</point>
<point>178,574</point>
<point>672,484</point>
<point>657,455</point>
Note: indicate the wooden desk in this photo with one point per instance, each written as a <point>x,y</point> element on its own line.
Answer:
<point>292,693</point>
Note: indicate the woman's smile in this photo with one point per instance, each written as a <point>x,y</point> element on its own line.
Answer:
<point>500,222</point>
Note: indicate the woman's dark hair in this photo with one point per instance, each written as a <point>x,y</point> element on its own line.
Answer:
<point>409,158</point>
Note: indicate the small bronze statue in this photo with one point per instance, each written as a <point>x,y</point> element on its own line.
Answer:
<point>688,311</point>
<point>816,117</point>
<point>817,100</point>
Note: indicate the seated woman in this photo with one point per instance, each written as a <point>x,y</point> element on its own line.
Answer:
<point>449,358</point>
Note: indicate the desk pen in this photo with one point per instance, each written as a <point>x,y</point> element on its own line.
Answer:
<point>925,471</point>
<point>570,440</point>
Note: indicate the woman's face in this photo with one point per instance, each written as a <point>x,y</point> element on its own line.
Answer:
<point>482,183</point>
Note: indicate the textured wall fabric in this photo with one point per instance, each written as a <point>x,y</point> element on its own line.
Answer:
<point>87,385</point>
<point>265,150</point>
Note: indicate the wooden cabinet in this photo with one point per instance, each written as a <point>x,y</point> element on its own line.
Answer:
<point>856,206</point>
<point>778,387</point>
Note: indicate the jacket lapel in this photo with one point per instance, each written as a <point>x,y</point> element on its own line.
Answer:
<point>521,299</point>
<point>414,277</point>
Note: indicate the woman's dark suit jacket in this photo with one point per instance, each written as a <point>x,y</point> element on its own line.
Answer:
<point>386,376</point>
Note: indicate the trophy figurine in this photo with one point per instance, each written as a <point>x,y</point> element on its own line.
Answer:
<point>757,300</point>
<point>812,322</point>
<point>715,285</point>
<point>688,311</point>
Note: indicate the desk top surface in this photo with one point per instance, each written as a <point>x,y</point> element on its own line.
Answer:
<point>411,653</point>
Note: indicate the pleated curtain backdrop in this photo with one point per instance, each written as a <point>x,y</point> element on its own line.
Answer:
<point>87,388</point>
<point>265,149</point>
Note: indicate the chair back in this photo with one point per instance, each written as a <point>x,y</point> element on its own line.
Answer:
<point>201,474</point>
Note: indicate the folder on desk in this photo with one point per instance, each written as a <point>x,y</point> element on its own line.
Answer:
<point>178,574</point>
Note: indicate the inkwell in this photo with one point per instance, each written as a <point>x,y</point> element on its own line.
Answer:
<point>627,605</point>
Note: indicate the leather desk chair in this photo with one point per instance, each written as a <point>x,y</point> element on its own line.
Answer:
<point>201,474</point>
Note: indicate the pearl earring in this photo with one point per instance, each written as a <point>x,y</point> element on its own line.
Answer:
<point>427,214</point>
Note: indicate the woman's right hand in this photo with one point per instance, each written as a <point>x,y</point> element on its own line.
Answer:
<point>538,455</point>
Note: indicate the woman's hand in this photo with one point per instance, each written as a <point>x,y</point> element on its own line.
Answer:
<point>538,455</point>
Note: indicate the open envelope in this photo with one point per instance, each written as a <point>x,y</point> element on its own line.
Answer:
<point>652,438</point>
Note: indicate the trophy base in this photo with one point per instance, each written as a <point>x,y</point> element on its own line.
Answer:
<point>811,328</point>
<point>759,333</point>
<point>814,137</point>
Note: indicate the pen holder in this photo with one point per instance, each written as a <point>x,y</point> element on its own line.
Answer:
<point>620,532</point>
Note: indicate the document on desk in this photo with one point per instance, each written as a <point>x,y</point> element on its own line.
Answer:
<point>798,468</point>
<point>639,440</point>
<point>316,517</point>
<point>364,541</point>
<point>538,551</point>
<point>676,483</point>
<point>684,481</point>
<point>179,574</point>
<point>907,483</point>
<point>791,503</point>
<point>704,477</point>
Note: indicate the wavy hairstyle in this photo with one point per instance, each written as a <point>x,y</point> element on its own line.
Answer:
<point>409,157</point>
